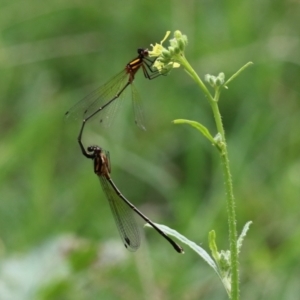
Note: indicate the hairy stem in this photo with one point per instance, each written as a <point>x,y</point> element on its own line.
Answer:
<point>227,177</point>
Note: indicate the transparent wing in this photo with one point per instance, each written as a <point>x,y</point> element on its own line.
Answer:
<point>109,114</point>
<point>123,216</point>
<point>137,108</point>
<point>99,98</point>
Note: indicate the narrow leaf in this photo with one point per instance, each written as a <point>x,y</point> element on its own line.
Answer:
<point>200,251</point>
<point>198,126</point>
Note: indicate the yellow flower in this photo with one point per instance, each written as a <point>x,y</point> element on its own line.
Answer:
<point>157,48</point>
<point>158,51</point>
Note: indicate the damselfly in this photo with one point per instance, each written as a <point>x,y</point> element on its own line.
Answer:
<point>106,96</point>
<point>121,208</point>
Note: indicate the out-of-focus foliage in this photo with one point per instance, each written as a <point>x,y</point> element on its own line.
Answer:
<point>54,53</point>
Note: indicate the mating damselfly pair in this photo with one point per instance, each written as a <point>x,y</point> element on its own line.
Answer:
<point>103,102</point>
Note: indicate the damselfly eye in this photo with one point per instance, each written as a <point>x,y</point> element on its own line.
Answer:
<point>90,148</point>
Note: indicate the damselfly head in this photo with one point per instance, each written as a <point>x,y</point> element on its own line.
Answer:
<point>94,149</point>
<point>143,52</point>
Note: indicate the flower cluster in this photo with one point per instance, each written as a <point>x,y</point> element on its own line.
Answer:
<point>168,58</point>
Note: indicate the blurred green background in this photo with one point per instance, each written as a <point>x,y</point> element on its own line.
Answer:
<point>58,239</point>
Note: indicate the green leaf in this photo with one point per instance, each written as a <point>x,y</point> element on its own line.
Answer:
<point>222,259</point>
<point>200,251</point>
<point>212,245</point>
<point>198,126</point>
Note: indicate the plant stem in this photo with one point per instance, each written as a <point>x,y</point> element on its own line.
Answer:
<point>227,177</point>
<point>188,68</point>
<point>230,205</point>
<point>232,226</point>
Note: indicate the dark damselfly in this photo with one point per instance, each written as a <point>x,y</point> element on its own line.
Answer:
<point>122,209</point>
<point>106,96</point>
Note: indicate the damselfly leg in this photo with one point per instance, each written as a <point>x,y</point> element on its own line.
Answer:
<point>107,95</point>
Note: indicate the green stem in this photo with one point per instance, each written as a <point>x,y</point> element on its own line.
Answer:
<point>230,206</point>
<point>183,61</point>
<point>218,120</point>
<point>227,177</point>
<point>232,227</point>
